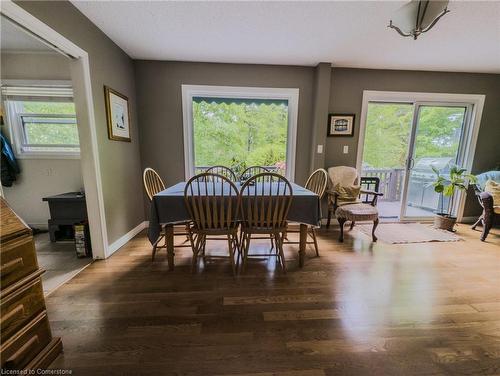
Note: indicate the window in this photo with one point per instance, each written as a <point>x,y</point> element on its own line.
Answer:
<point>239,127</point>
<point>42,125</point>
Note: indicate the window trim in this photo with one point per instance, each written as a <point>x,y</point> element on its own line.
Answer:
<point>14,115</point>
<point>190,91</point>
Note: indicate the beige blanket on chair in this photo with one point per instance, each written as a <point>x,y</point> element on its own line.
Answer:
<point>343,180</point>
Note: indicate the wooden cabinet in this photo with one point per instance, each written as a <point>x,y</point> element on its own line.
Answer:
<point>25,336</point>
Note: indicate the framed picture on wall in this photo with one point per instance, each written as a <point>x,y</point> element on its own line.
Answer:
<point>117,115</point>
<point>340,125</point>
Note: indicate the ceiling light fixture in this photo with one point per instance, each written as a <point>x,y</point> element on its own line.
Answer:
<point>418,17</point>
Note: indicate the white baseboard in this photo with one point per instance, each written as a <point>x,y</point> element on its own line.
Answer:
<point>41,226</point>
<point>120,242</point>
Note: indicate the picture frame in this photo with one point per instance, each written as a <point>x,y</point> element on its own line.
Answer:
<point>117,115</point>
<point>340,125</point>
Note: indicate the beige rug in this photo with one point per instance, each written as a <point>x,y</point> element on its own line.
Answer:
<point>402,233</point>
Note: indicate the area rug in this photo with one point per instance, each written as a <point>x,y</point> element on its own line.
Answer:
<point>403,233</point>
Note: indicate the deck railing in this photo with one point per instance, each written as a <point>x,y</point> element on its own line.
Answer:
<point>391,181</point>
<point>200,169</point>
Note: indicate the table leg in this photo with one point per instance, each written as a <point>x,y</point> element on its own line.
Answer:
<point>302,244</point>
<point>169,241</point>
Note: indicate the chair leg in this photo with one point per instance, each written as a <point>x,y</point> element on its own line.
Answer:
<point>203,246</point>
<point>352,225</point>
<point>196,250</point>
<point>479,220</point>
<point>313,233</point>
<point>245,254</point>
<point>153,253</point>
<point>341,224</point>
<point>329,218</point>
<point>155,246</point>
<point>237,249</point>
<point>230,245</point>
<point>240,246</point>
<point>279,244</point>
<point>375,224</point>
<point>486,229</point>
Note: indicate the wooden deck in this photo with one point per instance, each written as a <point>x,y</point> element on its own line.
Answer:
<point>358,309</point>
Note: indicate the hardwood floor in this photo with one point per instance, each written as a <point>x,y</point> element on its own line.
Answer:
<point>358,309</point>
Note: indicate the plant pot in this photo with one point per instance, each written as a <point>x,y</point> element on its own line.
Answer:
<point>443,222</point>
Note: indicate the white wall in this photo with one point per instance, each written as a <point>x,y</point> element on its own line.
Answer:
<point>39,177</point>
<point>35,66</point>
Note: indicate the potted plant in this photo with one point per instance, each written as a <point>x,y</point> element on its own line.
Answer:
<point>447,186</point>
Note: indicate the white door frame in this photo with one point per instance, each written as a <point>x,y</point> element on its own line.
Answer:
<point>190,91</point>
<point>476,100</point>
<point>80,75</point>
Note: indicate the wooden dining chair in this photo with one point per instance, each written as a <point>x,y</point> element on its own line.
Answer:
<point>317,183</point>
<point>252,171</point>
<point>221,170</point>
<point>153,184</point>
<point>212,201</point>
<point>265,201</point>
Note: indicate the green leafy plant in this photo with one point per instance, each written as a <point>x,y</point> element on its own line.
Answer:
<point>447,186</point>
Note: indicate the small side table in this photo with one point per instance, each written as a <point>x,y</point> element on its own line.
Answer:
<point>65,209</point>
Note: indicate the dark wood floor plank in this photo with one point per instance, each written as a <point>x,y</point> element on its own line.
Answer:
<point>358,309</point>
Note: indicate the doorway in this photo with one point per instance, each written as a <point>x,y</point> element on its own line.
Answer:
<point>82,94</point>
<point>404,136</point>
<point>44,185</point>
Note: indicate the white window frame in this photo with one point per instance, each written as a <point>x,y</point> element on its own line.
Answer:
<point>416,98</point>
<point>190,91</point>
<point>14,112</point>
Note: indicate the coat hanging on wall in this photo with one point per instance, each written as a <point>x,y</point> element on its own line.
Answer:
<point>9,168</point>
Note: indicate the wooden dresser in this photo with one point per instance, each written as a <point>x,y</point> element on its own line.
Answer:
<point>25,335</point>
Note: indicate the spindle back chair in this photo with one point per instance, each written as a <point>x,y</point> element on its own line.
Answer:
<point>252,171</point>
<point>152,182</point>
<point>317,183</point>
<point>221,170</point>
<point>212,201</point>
<point>265,202</point>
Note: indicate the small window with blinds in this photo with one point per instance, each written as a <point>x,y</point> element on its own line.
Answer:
<point>42,121</point>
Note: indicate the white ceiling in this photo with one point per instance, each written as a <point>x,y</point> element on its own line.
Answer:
<point>15,39</point>
<point>347,34</point>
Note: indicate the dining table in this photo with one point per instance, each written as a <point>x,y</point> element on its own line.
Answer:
<point>168,209</point>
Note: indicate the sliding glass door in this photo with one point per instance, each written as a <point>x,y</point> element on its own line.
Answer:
<point>403,141</point>
<point>385,151</point>
<point>436,141</point>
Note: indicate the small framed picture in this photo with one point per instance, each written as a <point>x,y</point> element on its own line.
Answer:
<point>340,125</point>
<point>117,115</point>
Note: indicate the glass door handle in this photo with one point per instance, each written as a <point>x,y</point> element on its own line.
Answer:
<point>410,163</point>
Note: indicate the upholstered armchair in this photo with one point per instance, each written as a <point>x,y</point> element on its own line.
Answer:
<point>491,213</point>
<point>352,198</point>
<point>347,177</point>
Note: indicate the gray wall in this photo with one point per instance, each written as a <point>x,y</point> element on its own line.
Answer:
<point>36,66</point>
<point>160,106</point>
<point>109,65</point>
<point>346,95</point>
<point>39,177</point>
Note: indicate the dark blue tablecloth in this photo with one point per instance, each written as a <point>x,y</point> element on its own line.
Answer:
<point>168,207</point>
